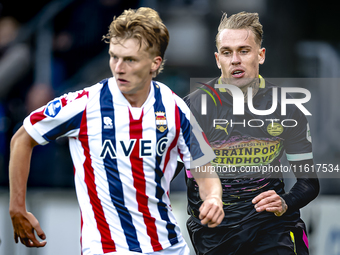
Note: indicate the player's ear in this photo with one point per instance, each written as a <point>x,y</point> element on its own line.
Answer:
<point>156,62</point>
<point>217,57</point>
<point>262,55</point>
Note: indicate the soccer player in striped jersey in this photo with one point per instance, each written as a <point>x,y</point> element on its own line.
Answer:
<point>125,134</point>
<point>260,217</point>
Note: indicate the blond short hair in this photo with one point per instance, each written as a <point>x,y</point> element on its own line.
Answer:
<point>145,25</point>
<point>242,20</point>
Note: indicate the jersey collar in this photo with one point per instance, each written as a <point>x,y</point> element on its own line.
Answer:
<point>226,97</point>
<point>119,99</point>
<point>262,83</point>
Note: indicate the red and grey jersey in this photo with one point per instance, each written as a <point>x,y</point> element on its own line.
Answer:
<point>124,159</point>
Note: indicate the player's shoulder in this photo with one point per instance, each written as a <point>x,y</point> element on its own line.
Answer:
<point>86,93</point>
<point>169,96</point>
<point>164,90</point>
<point>162,87</point>
<point>283,97</point>
<point>270,88</point>
<point>97,87</point>
<point>93,87</point>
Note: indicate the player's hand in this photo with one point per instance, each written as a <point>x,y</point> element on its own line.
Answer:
<point>211,211</point>
<point>270,201</point>
<point>24,225</point>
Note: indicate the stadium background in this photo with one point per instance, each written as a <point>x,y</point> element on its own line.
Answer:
<point>48,48</point>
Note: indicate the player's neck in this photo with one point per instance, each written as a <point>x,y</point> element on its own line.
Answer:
<point>139,98</point>
<point>255,85</point>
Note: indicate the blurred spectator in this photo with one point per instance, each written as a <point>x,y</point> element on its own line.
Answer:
<point>38,95</point>
<point>14,64</point>
<point>78,35</point>
<point>14,57</point>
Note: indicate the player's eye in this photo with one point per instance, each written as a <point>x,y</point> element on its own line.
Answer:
<point>113,57</point>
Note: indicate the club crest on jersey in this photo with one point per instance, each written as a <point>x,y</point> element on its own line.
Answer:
<point>275,129</point>
<point>161,121</point>
<point>53,108</point>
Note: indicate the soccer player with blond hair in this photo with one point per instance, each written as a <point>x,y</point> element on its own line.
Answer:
<point>125,135</point>
<point>261,218</point>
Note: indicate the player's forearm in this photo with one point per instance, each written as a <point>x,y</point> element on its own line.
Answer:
<point>210,187</point>
<point>208,182</point>
<point>21,151</point>
<point>304,190</point>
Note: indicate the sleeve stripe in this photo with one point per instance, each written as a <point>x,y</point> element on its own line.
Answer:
<point>63,128</point>
<point>37,116</point>
<point>297,157</point>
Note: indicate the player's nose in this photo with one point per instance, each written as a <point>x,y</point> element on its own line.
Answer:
<point>236,59</point>
<point>120,66</point>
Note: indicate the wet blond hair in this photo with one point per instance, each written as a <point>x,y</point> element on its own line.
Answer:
<point>241,20</point>
<point>145,25</point>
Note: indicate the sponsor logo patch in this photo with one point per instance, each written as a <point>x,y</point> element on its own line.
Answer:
<point>107,123</point>
<point>222,128</point>
<point>53,108</point>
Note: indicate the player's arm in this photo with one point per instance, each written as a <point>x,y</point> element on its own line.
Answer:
<point>305,189</point>
<point>298,147</point>
<point>210,188</point>
<point>24,223</point>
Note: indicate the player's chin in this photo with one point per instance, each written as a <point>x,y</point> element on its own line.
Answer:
<point>126,90</point>
<point>242,82</point>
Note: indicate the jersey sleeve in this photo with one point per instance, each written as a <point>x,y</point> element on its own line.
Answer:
<point>306,188</point>
<point>194,148</point>
<point>298,141</point>
<point>298,147</point>
<point>193,101</point>
<point>60,117</point>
